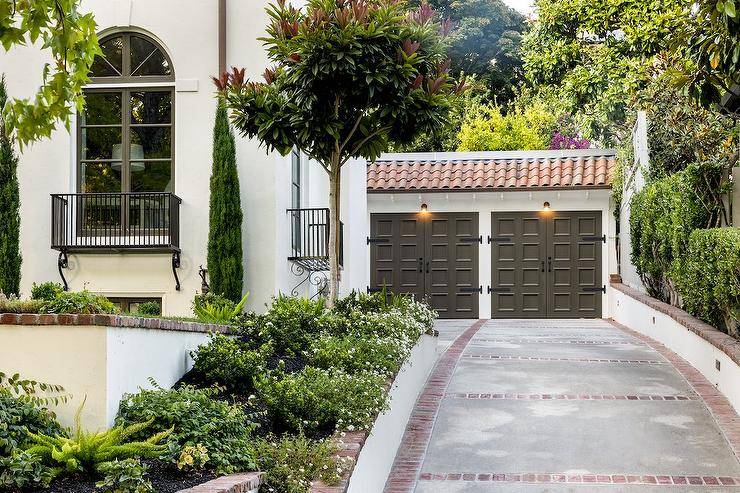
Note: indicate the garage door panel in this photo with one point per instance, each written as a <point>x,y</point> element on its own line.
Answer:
<point>426,257</point>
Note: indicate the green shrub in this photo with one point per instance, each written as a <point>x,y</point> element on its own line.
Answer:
<point>213,299</point>
<point>24,470</point>
<point>662,217</point>
<point>292,463</point>
<point>124,476</point>
<point>16,305</point>
<point>150,309</point>
<point>88,451</point>
<point>18,418</point>
<point>46,291</point>
<point>219,313</point>
<point>228,363</point>
<point>83,302</point>
<point>355,354</point>
<point>358,301</point>
<point>198,418</point>
<point>710,279</point>
<point>490,129</point>
<point>289,325</point>
<point>317,401</point>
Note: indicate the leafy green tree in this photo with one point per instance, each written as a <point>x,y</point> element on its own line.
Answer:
<point>350,77</point>
<point>596,55</point>
<point>485,38</point>
<point>489,129</point>
<point>709,48</point>
<point>71,38</point>
<point>10,202</point>
<point>225,214</point>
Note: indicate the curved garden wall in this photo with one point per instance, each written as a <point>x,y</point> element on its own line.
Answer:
<point>713,353</point>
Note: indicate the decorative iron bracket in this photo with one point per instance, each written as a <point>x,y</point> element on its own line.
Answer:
<point>175,266</point>
<point>63,263</point>
<point>314,277</point>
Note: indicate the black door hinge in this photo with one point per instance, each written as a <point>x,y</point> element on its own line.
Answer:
<point>374,290</point>
<point>498,290</point>
<point>472,239</point>
<point>472,289</point>
<point>601,238</point>
<point>377,240</point>
<point>499,239</point>
<point>595,289</point>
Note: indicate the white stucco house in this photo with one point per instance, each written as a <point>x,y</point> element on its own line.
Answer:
<point>119,204</point>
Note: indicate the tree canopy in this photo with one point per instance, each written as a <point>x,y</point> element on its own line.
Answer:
<point>485,38</point>
<point>595,55</point>
<point>70,36</point>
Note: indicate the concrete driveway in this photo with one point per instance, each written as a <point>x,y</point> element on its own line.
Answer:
<point>558,406</point>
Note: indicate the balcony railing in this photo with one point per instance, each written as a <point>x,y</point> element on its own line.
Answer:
<point>309,238</point>
<point>115,221</point>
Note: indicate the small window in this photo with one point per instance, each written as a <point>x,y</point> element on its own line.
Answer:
<point>130,57</point>
<point>131,305</point>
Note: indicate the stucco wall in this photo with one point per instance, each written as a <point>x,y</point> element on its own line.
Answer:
<point>74,357</point>
<point>96,364</point>
<point>485,203</point>
<point>188,32</point>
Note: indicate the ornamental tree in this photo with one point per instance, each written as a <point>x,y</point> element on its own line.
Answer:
<point>70,36</point>
<point>349,78</point>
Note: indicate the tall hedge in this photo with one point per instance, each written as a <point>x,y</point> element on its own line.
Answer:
<point>225,216</point>
<point>710,280</point>
<point>10,220</point>
<point>662,217</point>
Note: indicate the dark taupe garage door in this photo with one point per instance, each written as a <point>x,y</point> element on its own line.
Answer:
<point>433,257</point>
<point>546,264</point>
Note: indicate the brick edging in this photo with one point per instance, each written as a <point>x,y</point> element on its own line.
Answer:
<point>724,342</point>
<point>233,483</point>
<point>124,321</point>
<point>719,407</point>
<point>411,451</point>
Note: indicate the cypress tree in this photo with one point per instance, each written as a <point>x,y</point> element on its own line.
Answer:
<point>225,215</point>
<point>10,219</point>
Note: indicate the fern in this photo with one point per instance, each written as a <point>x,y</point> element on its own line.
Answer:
<point>88,451</point>
<point>219,314</point>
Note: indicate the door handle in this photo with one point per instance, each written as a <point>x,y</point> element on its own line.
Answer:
<point>542,266</point>
<point>427,267</point>
<point>549,264</point>
<point>421,265</point>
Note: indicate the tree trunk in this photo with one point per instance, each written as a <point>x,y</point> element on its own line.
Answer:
<point>333,247</point>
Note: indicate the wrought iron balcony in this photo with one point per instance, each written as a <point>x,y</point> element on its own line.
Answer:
<point>115,221</point>
<point>309,239</point>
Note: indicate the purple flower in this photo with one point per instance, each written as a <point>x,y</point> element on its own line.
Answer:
<point>562,141</point>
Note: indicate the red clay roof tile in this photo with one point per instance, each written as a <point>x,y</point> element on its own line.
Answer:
<point>543,171</point>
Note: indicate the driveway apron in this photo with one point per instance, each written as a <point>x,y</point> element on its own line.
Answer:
<point>558,406</point>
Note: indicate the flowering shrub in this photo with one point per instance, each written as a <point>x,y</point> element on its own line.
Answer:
<point>317,401</point>
<point>292,463</point>
<point>353,353</point>
<point>565,141</point>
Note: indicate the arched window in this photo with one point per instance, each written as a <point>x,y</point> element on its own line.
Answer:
<point>126,131</point>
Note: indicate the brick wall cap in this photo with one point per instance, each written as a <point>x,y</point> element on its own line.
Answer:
<point>724,342</point>
<point>104,320</point>
<point>233,483</point>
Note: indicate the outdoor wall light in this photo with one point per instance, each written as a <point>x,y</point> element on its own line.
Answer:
<point>546,207</point>
<point>424,208</point>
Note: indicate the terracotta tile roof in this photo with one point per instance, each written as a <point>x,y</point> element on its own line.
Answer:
<point>492,171</point>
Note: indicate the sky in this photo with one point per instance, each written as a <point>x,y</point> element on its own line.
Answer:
<point>523,6</point>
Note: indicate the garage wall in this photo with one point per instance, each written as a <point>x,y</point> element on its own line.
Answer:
<point>485,203</point>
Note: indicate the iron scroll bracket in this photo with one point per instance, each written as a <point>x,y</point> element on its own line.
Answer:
<point>175,266</point>
<point>63,263</point>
